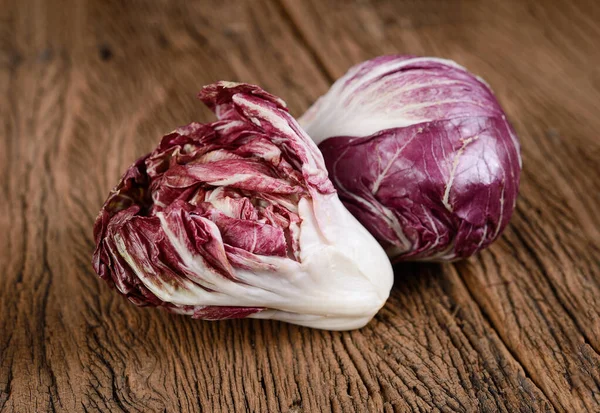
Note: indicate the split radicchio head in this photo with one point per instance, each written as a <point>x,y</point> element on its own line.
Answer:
<point>421,153</point>
<point>237,218</point>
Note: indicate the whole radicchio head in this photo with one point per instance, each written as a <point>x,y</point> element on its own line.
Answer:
<point>237,218</point>
<point>421,153</point>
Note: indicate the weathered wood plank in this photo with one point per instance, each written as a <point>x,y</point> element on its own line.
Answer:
<point>92,85</point>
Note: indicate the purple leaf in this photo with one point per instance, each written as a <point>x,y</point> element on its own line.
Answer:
<point>237,218</point>
<point>421,153</point>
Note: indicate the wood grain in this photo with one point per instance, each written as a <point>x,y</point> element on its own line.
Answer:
<point>89,86</point>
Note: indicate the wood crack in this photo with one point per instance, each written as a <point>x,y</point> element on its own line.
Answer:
<point>303,40</point>
<point>541,266</point>
<point>508,348</point>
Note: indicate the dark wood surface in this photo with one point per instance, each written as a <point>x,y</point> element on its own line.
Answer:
<point>88,86</point>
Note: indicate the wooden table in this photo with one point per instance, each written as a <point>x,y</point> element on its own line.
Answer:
<point>88,86</point>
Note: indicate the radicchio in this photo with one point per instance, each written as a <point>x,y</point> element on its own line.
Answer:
<point>421,153</point>
<point>237,218</point>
